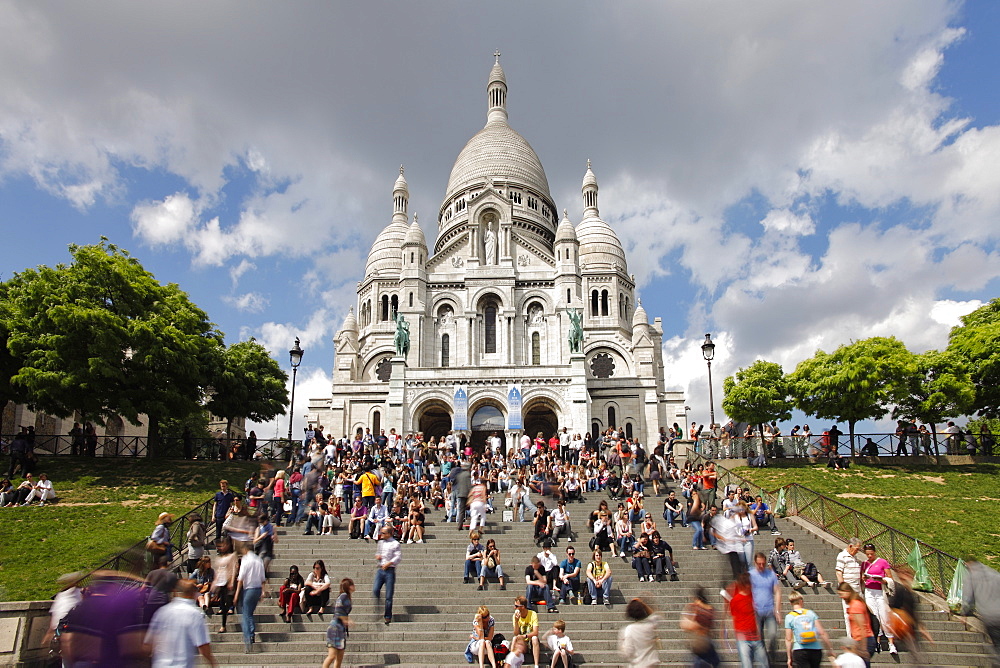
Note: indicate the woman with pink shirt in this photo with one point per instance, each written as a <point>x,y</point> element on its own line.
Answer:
<point>874,572</point>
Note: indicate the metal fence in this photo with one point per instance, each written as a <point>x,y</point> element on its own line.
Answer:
<point>138,446</point>
<point>844,522</point>
<point>821,445</point>
<point>136,560</point>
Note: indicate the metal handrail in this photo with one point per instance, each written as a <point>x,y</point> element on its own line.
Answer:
<point>820,445</point>
<point>845,522</point>
<point>137,561</point>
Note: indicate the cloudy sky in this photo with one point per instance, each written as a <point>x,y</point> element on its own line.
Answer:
<point>788,176</point>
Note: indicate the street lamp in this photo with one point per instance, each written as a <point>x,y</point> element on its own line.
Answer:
<point>295,357</point>
<point>708,352</point>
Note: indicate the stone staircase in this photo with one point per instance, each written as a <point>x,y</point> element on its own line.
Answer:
<point>433,609</point>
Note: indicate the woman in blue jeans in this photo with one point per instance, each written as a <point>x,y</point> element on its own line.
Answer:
<point>694,517</point>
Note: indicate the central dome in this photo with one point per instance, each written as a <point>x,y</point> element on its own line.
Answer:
<point>499,152</point>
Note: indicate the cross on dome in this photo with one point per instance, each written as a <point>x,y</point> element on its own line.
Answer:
<point>496,54</point>
<point>400,170</point>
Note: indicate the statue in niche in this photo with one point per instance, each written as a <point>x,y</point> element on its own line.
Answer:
<point>490,240</point>
<point>575,337</point>
<point>446,316</point>
<point>535,316</point>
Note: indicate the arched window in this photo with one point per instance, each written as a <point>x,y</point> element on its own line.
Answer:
<point>376,422</point>
<point>536,348</point>
<point>490,327</point>
<point>411,257</point>
<point>611,416</point>
<point>395,306</point>
<point>385,307</point>
<point>445,350</point>
<point>595,429</point>
<point>593,303</point>
<point>604,302</point>
<point>628,430</point>
<point>411,300</point>
<point>621,306</point>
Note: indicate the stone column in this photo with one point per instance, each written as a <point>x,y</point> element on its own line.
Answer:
<point>579,397</point>
<point>396,408</point>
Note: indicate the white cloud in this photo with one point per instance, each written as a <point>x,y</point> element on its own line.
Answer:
<point>311,382</point>
<point>165,222</point>
<point>277,337</point>
<point>243,267</point>
<point>782,220</point>
<point>250,302</point>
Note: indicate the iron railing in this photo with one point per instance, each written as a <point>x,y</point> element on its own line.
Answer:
<point>138,446</point>
<point>136,560</point>
<point>844,522</point>
<point>820,445</point>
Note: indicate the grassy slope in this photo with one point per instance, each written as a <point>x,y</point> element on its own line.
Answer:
<point>952,508</point>
<point>104,506</point>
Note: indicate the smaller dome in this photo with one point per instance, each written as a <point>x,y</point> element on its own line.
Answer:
<point>639,317</point>
<point>599,245</point>
<point>589,179</point>
<point>350,322</point>
<point>497,75</point>
<point>565,231</point>
<point>400,185</point>
<point>386,255</point>
<point>415,235</point>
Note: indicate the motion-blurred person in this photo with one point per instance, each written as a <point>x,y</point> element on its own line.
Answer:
<point>160,583</point>
<point>221,593</point>
<point>197,536</point>
<point>858,623</point>
<point>698,619</point>
<point>388,555</point>
<point>749,645</point>
<point>766,600</point>
<point>981,595</point>
<point>875,572</point>
<point>178,632</point>
<point>848,570</point>
<point>337,632</point>
<point>106,629</point>
<point>68,597</point>
<point>904,618</point>
<point>638,641</point>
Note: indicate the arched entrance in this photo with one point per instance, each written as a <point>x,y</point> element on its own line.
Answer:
<point>539,415</point>
<point>486,420</point>
<point>434,419</point>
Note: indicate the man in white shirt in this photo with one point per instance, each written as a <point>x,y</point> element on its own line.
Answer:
<point>178,629</point>
<point>42,491</point>
<point>388,555</point>
<point>848,570</point>
<point>251,582</point>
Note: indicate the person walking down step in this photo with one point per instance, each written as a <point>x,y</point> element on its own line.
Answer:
<point>388,555</point>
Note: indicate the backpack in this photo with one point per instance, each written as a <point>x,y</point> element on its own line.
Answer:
<point>803,627</point>
<point>500,647</point>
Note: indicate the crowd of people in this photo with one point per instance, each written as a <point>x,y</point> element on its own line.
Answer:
<point>383,487</point>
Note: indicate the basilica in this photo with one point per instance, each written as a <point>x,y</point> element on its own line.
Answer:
<point>516,319</point>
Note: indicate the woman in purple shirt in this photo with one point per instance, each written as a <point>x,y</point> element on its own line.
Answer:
<point>875,571</point>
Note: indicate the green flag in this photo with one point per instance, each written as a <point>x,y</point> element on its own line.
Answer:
<point>955,591</point>
<point>921,578</point>
<point>781,506</point>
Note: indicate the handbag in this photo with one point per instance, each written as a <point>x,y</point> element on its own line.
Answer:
<point>491,563</point>
<point>155,548</point>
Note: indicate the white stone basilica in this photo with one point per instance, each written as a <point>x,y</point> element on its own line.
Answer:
<point>488,311</point>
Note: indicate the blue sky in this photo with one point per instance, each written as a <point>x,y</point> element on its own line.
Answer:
<point>787,176</point>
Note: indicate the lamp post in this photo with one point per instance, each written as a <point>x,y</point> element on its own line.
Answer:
<point>708,352</point>
<point>295,357</point>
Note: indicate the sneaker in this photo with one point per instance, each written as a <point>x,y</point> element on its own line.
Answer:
<point>892,648</point>
<point>41,503</point>
<point>670,526</point>
<point>607,604</point>
<point>569,540</point>
<point>409,541</point>
<point>775,532</point>
<point>674,578</point>
<point>553,609</point>
<point>503,587</point>
<point>420,540</point>
<point>694,547</point>
<point>479,588</point>
<point>593,601</point>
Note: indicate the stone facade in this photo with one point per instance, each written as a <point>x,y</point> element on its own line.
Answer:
<point>490,307</point>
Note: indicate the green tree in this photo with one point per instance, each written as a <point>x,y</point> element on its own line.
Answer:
<point>103,337</point>
<point>858,381</point>
<point>9,364</point>
<point>977,341</point>
<point>757,394</point>
<point>939,387</point>
<point>247,383</point>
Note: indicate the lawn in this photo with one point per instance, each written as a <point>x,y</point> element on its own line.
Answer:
<point>952,508</point>
<point>105,505</point>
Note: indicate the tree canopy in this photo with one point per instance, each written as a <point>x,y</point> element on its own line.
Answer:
<point>858,381</point>
<point>757,394</point>
<point>939,388</point>
<point>247,383</point>
<point>977,341</point>
<point>102,336</point>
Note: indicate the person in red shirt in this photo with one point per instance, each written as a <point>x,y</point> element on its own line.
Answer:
<point>709,481</point>
<point>748,641</point>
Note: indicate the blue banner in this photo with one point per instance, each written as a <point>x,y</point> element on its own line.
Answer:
<point>514,408</point>
<point>460,420</point>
